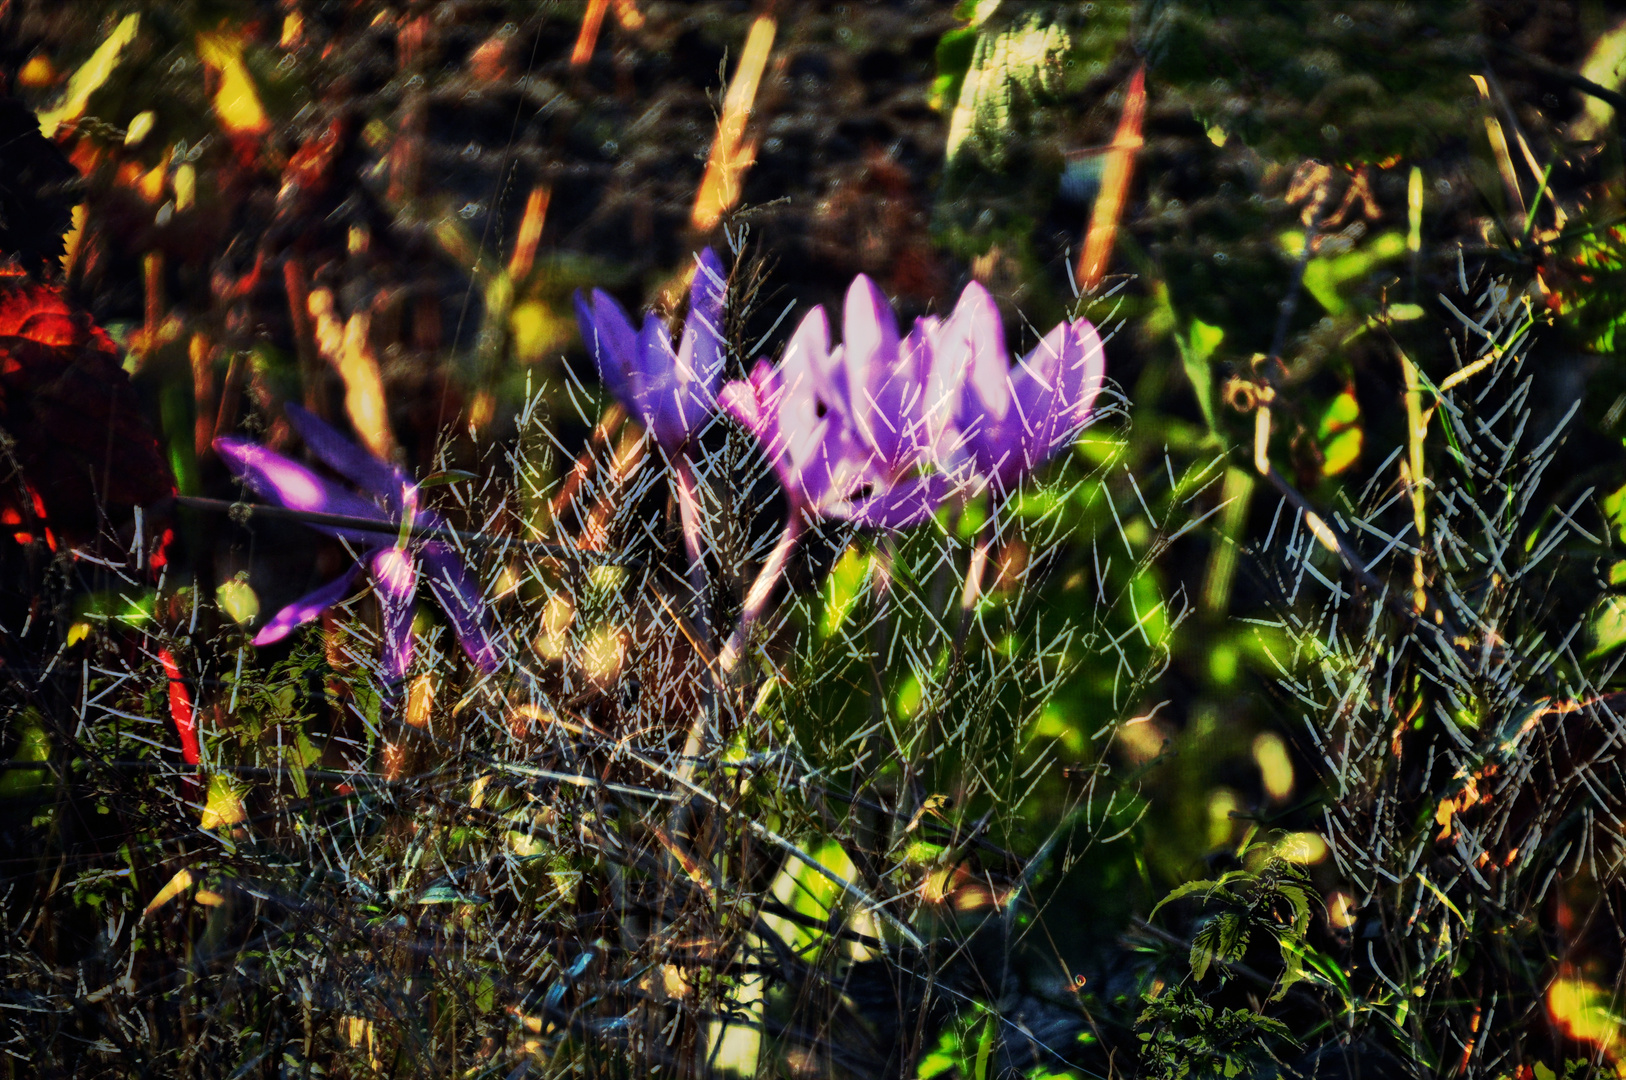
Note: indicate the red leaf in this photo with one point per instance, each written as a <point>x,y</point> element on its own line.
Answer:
<point>180,708</point>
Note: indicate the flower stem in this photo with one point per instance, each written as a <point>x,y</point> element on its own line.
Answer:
<point>688,500</point>
<point>761,589</point>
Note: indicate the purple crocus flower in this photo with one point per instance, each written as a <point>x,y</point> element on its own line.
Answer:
<point>847,428</point>
<point>671,392</point>
<point>394,567</point>
<point>1006,421</point>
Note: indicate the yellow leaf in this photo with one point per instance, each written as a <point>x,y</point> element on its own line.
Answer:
<point>238,601</point>
<point>224,806</point>
<point>236,102</point>
<point>345,346</point>
<point>177,885</point>
<point>420,699</point>
<point>90,77</point>
<point>842,589</point>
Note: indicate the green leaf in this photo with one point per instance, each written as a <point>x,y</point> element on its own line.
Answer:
<point>1606,626</point>
<point>444,892</point>
<point>446,476</point>
<point>842,588</point>
<point>33,749</point>
<point>1196,347</point>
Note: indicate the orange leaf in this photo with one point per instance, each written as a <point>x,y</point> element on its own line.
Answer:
<point>1120,166</point>
<point>588,37</point>
<point>731,155</point>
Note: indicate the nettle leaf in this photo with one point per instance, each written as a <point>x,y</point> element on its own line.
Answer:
<point>1300,899</point>
<point>1292,967</point>
<point>1213,890</point>
<point>1203,946</point>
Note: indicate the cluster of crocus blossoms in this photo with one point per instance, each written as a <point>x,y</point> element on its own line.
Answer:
<point>879,430</point>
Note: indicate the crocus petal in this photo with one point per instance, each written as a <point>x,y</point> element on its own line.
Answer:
<point>1083,380</point>
<point>348,460</point>
<point>754,402</point>
<point>701,350</point>
<point>971,369</point>
<point>307,608</point>
<point>459,596</point>
<point>659,387</point>
<point>609,337</point>
<point>288,483</point>
<point>905,504</point>
<point>395,580</point>
<point>802,387</point>
<point>882,376</point>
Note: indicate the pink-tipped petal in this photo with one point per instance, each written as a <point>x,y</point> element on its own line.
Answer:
<point>395,580</point>
<point>1083,382</point>
<point>290,484</point>
<point>344,457</point>
<point>307,608</point>
<point>753,402</point>
<point>988,367</point>
<point>869,330</point>
<point>459,597</point>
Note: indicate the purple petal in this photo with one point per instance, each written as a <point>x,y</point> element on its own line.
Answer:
<point>754,402</point>
<point>348,460</point>
<point>288,483</point>
<point>609,337</point>
<point>307,608</point>
<point>987,373</point>
<point>882,380</point>
<point>658,385</point>
<point>395,580</point>
<point>905,504</point>
<point>701,351</point>
<point>458,595</point>
<point>1082,381</point>
<point>801,379</point>
<point>828,467</point>
<point>869,332</point>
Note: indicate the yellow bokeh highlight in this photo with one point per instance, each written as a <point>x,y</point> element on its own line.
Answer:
<point>1585,1012</point>
<point>557,615</point>
<point>1341,910</point>
<point>141,126</point>
<point>1275,767</point>
<point>536,331</point>
<point>186,187</point>
<point>603,654</point>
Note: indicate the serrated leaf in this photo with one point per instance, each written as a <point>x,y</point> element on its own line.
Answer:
<point>1215,889</point>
